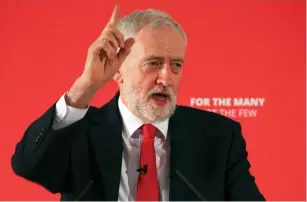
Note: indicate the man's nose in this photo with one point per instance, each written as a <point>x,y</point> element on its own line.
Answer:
<point>165,76</point>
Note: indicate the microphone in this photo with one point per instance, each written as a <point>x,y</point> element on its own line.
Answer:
<point>191,186</point>
<point>143,170</point>
<point>83,192</point>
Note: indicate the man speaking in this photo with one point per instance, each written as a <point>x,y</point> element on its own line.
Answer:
<point>140,146</point>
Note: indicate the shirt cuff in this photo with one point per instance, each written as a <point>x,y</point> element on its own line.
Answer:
<point>67,115</point>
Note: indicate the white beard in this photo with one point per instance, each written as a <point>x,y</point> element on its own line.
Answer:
<point>145,109</point>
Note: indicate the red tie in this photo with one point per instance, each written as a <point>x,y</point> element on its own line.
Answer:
<point>147,186</point>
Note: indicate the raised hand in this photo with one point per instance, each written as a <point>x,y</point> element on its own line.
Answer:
<point>104,58</point>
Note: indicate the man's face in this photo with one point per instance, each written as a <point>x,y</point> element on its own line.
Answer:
<point>151,73</point>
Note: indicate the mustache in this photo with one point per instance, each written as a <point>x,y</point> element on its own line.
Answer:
<point>161,89</point>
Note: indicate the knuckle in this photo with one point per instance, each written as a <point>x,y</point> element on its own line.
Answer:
<point>103,40</point>
<point>121,37</point>
<point>108,36</point>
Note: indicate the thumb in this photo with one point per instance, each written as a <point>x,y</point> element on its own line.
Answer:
<point>124,52</point>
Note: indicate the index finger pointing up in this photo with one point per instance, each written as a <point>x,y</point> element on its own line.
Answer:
<point>115,15</point>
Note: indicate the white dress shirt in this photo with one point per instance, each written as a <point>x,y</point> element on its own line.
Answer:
<point>132,138</point>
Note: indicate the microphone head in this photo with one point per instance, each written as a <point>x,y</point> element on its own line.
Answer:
<point>145,168</point>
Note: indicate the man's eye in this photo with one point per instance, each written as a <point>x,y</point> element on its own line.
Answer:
<point>177,65</point>
<point>154,63</point>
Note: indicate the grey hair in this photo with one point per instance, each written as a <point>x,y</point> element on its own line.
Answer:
<point>130,24</point>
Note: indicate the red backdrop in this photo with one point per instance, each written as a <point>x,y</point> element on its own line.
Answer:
<point>254,50</point>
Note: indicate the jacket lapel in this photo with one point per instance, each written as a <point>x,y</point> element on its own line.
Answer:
<point>178,189</point>
<point>106,139</point>
<point>184,170</point>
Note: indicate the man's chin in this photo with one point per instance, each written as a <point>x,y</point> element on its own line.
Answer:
<point>161,110</point>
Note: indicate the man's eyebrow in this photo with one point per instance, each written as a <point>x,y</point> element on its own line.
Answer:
<point>161,58</point>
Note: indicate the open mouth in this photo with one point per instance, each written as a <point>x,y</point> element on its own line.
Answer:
<point>160,95</point>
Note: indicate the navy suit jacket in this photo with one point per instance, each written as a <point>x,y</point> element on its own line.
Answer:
<point>207,149</point>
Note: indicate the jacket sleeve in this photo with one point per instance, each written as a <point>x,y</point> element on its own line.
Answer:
<point>43,154</point>
<point>241,185</point>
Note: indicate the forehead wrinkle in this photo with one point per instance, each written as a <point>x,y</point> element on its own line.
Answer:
<point>164,49</point>
<point>163,58</point>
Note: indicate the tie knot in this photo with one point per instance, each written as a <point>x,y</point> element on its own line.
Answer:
<point>149,131</point>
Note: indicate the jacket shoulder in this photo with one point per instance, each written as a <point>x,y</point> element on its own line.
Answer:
<point>108,111</point>
<point>200,116</point>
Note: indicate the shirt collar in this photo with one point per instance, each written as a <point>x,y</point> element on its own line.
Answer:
<point>133,123</point>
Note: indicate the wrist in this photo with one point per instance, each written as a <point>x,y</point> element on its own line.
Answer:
<point>81,93</point>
